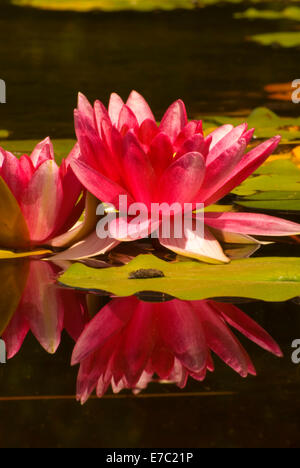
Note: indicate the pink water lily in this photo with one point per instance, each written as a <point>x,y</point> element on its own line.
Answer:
<point>45,310</point>
<point>39,200</point>
<point>124,152</point>
<point>130,341</point>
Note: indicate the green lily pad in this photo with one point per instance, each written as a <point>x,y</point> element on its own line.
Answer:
<point>279,167</point>
<point>18,147</point>
<point>218,208</point>
<point>275,186</point>
<point>284,39</point>
<point>277,203</point>
<point>268,279</point>
<point>266,123</point>
<point>290,13</point>
<point>267,183</point>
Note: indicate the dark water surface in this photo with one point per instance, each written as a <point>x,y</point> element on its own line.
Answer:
<point>200,56</point>
<point>37,393</point>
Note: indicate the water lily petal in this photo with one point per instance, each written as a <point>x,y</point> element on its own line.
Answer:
<point>174,120</point>
<point>147,132</point>
<point>249,163</point>
<point>127,120</point>
<point>194,144</point>
<point>85,107</point>
<point>129,229</point>
<point>91,246</point>
<point>182,179</point>
<point>14,233</point>
<point>13,175</point>
<point>161,153</point>
<point>42,201</point>
<point>100,113</point>
<point>220,168</point>
<point>252,223</point>
<point>139,107</point>
<point>229,139</point>
<point>219,134</point>
<point>114,108</point>
<point>42,152</point>
<point>81,229</point>
<point>192,128</point>
<point>139,173</point>
<point>201,247</point>
<point>100,186</point>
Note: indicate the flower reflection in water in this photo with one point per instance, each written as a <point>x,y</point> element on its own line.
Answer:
<point>129,342</point>
<point>46,310</point>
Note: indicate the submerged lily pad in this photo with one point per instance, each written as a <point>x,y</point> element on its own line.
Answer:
<point>268,279</point>
<point>275,186</point>
<point>284,39</point>
<point>290,13</point>
<point>266,123</point>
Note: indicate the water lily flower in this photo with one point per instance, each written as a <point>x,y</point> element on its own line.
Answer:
<point>129,341</point>
<point>45,310</point>
<point>39,200</point>
<point>125,153</point>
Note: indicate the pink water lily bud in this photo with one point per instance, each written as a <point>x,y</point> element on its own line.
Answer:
<point>40,200</point>
<point>124,152</point>
<point>129,342</point>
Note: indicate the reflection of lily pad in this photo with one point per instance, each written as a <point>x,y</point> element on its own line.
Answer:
<point>269,279</point>
<point>275,186</point>
<point>61,147</point>
<point>116,5</point>
<point>106,5</point>
<point>8,254</point>
<point>4,133</point>
<point>284,39</point>
<point>266,123</point>
<point>13,277</point>
<point>290,13</point>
